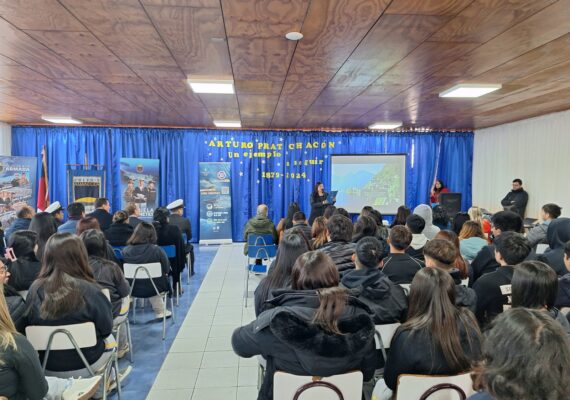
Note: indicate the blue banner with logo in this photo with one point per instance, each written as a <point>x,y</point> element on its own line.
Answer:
<point>17,186</point>
<point>140,184</point>
<point>85,186</point>
<point>215,203</point>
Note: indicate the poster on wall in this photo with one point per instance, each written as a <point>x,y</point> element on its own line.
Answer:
<point>17,186</point>
<point>215,203</point>
<point>85,186</point>
<point>140,184</point>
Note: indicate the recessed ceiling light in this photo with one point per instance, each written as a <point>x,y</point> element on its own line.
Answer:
<point>228,124</point>
<point>385,125</point>
<point>294,36</point>
<point>212,86</point>
<point>469,90</point>
<point>60,120</point>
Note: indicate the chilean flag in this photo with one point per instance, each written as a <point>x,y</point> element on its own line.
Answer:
<point>43,191</point>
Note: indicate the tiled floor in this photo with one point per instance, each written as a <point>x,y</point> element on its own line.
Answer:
<point>201,364</point>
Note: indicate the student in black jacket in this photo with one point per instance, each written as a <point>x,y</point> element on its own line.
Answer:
<point>369,284</point>
<point>298,336</point>
<point>563,296</point>
<point>441,253</point>
<point>101,213</point>
<point>16,305</point>
<point>399,266</point>
<point>339,246</point>
<point>558,234</point>
<point>26,267</point>
<point>494,289</point>
<point>416,224</point>
<point>484,262</point>
<point>177,218</point>
<point>120,231</point>
<point>438,338</point>
<point>166,235</point>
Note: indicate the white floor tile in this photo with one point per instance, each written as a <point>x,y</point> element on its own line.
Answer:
<point>219,343</point>
<point>221,393</point>
<point>219,359</point>
<point>182,361</point>
<point>188,345</point>
<point>176,379</point>
<point>222,330</point>
<point>247,393</point>
<point>247,376</point>
<point>217,377</point>
<point>180,394</point>
<point>248,362</point>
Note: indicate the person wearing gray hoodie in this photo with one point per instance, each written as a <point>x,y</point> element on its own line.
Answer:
<point>425,211</point>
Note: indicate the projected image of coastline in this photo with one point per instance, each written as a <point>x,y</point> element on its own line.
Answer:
<point>377,185</point>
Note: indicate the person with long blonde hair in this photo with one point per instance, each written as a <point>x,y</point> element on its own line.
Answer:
<point>476,214</point>
<point>21,376</point>
<point>319,232</point>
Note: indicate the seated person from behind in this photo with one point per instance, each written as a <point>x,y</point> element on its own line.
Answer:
<point>21,223</point>
<point>415,224</point>
<point>102,214</point>
<point>535,285</point>
<point>440,253</point>
<point>75,211</point>
<point>287,222</point>
<point>300,335</point>
<point>370,285</point>
<point>438,338</point>
<point>300,224</point>
<point>319,233</point>
<point>471,240</point>
<point>563,296</point>
<point>516,200</point>
<point>558,234</point>
<point>494,289</point>
<point>56,210</point>
<point>134,212</point>
<point>339,246</point>
<point>170,235</point>
<point>16,304</point>
<point>177,218</point>
<point>399,266</point>
<point>529,348</point>
<point>120,231</point>
<point>259,225</point>
<point>425,211</point>
<point>537,234</point>
<point>26,267</point>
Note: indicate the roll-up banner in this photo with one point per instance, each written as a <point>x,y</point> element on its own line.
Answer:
<point>140,184</point>
<point>215,203</point>
<point>17,186</point>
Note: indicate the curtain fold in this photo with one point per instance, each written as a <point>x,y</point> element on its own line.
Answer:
<point>272,167</point>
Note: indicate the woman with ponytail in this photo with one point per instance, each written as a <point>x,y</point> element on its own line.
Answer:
<point>167,235</point>
<point>315,328</point>
<point>438,338</point>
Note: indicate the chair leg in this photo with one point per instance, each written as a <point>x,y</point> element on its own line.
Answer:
<point>189,262</point>
<point>172,316</point>
<point>246,294</point>
<point>164,317</point>
<point>134,310</point>
<point>105,380</point>
<point>129,340</point>
<point>119,389</point>
<point>177,294</point>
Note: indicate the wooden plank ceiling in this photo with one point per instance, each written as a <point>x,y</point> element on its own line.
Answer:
<point>360,61</point>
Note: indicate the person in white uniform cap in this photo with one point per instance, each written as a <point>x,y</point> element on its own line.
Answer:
<point>56,210</point>
<point>176,218</point>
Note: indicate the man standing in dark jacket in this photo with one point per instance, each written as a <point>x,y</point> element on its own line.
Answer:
<point>370,285</point>
<point>516,200</point>
<point>101,213</point>
<point>399,266</point>
<point>21,223</point>
<point>485,262</point>
<point>339,246</point>
<point>176,218</point>
<point>260,225</point>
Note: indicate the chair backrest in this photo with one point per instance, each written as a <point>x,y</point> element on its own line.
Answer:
<point>154,270</point>
<point>118,250</point>
<point>107,293</point>
<point>84,335</point>
<point>337,387</point>
<point>406,287</point>
<point>268,251</point>
<point>415,386</point>
<point>385,333</point>
<point>23,293</point>
<point>170,250</point>
<point>259,239</point>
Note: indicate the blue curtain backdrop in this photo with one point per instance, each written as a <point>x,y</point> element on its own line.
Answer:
<point>272,167</point>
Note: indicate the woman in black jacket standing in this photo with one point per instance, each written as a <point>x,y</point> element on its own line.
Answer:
<point>318,202</point>
<point>313,329</point>
<point>167,235</point>
<point>120,231</point>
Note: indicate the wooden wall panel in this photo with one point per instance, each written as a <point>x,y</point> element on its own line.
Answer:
<point>427,7</point>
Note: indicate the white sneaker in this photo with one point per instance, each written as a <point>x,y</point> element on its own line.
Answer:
<point>81,389</point>
<point>161,315</point>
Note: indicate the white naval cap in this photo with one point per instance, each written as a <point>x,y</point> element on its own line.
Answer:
<point>53,207</point>
<point>175,204</point>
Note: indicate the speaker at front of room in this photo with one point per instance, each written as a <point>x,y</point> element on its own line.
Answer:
<point>451,202</point>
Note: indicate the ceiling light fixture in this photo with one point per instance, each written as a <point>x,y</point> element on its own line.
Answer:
<point>225,86</point>
<point>294,36</point>
<point>228,124</point>
<point>378,126</point>
<point>469,90</point>
<point>60,120</point>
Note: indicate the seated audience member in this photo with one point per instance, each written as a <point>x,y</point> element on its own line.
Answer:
<point>399,266</point>
<point>460,264</point>
<point>177,218</point>
<point>290,248</point>
<point>476,214</point>
<point>416,225</point>
<point>438,338</point>
<point>364,227</point>
<point>119,231</point>
<point>134,213</point>
<point>26,267</point>
<point>102,214</point>
<point>45,225</point>
<point>342,211</point>
<point>425,211</point>
<point>330,210</point>
<point>22,376</point>
<point>87,223</point>
<point>516,200</point>
<point>494,289</point>
<point>471,240</point>
<point>56,211</point>
<point>563,296</point>
<point>441,253</point>
<point>537,234</point>
<point>287,222</point>
<point>558,234</point>
<point>369,284</point>
<point>339,246</point>
<point>167,235</point>
<point>458,221</point>
<point>66,293</point>
<point>319,233</point>
<point>382,231</point>
<point>300,225</point>
<point>526,356</point>
<point>259,225</point>
<point>21,223</point>
<point>402,215</point>
<point>484,262</point>
<point>301,335</point>
<point>75,211</point>
<point>142,249</point>
<point>16,304</point>
<point>440,217</point>
<point>535,285</point>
